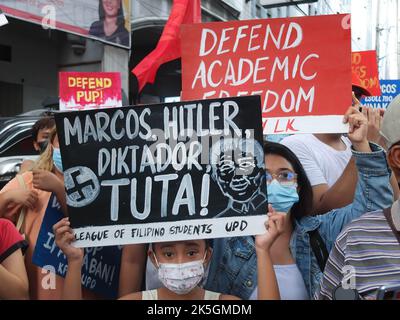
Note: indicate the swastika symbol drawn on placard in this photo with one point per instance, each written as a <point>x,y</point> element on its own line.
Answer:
<point>81,185</point>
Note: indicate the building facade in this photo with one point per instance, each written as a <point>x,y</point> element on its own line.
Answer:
<point>31,56</point>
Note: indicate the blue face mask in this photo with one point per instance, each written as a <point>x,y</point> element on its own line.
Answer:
<point>57,159</point>
<point>282,198</point>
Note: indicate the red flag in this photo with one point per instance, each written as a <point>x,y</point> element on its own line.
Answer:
<point>168,47</point>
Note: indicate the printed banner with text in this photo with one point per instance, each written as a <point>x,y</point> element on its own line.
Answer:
<point>107,21</point>
<point>89,90</point>
<point>299,66</point>
<point>167,172</point>
<point>389,88</point>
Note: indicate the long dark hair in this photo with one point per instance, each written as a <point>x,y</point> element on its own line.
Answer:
<point>304,206</point>
<point>121,16</point>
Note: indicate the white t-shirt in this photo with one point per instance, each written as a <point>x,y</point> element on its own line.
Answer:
<point>322,163</point>
<point>290,283</point>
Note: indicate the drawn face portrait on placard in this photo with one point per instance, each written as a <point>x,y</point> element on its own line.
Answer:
<point>237,168</point>
<point>163,173</point>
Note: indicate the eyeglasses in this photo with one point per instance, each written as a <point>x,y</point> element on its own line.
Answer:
<point>286,178</point>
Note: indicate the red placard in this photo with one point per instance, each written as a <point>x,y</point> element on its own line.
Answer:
<point>85,18</point>
<point>299,66</point>
<point>89,90</point>
<point>365,65</point>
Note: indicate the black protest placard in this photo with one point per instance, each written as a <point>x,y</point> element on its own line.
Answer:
<point>166,172</point>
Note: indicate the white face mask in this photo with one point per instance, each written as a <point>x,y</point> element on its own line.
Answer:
<point>181,278</point>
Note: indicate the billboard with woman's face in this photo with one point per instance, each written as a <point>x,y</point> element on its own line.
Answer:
<point>104,20</point>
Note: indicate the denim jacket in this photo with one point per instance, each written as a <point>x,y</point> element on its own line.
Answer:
<point>233,267</point>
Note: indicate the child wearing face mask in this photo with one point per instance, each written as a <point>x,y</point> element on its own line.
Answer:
<point>180,265</point>
<point>181,268</point>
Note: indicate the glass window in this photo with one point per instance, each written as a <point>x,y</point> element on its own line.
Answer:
<point>23,147</point>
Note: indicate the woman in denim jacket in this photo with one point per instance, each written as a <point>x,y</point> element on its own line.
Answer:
<point>233,269</point>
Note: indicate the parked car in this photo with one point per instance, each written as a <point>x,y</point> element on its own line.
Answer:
<point>37,113</point>
<point>16,144</point>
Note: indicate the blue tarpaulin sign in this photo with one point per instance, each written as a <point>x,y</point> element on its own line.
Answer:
<point>100,270</point>
<point>390,89</point>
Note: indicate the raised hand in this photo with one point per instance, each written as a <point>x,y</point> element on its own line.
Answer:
<point>64,236</point>
<point>358,129</point>
<point>375,118</point>
<point>274,226</point>
<point>46,180</point>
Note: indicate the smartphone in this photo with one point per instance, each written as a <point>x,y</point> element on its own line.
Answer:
<point>388,293</point>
